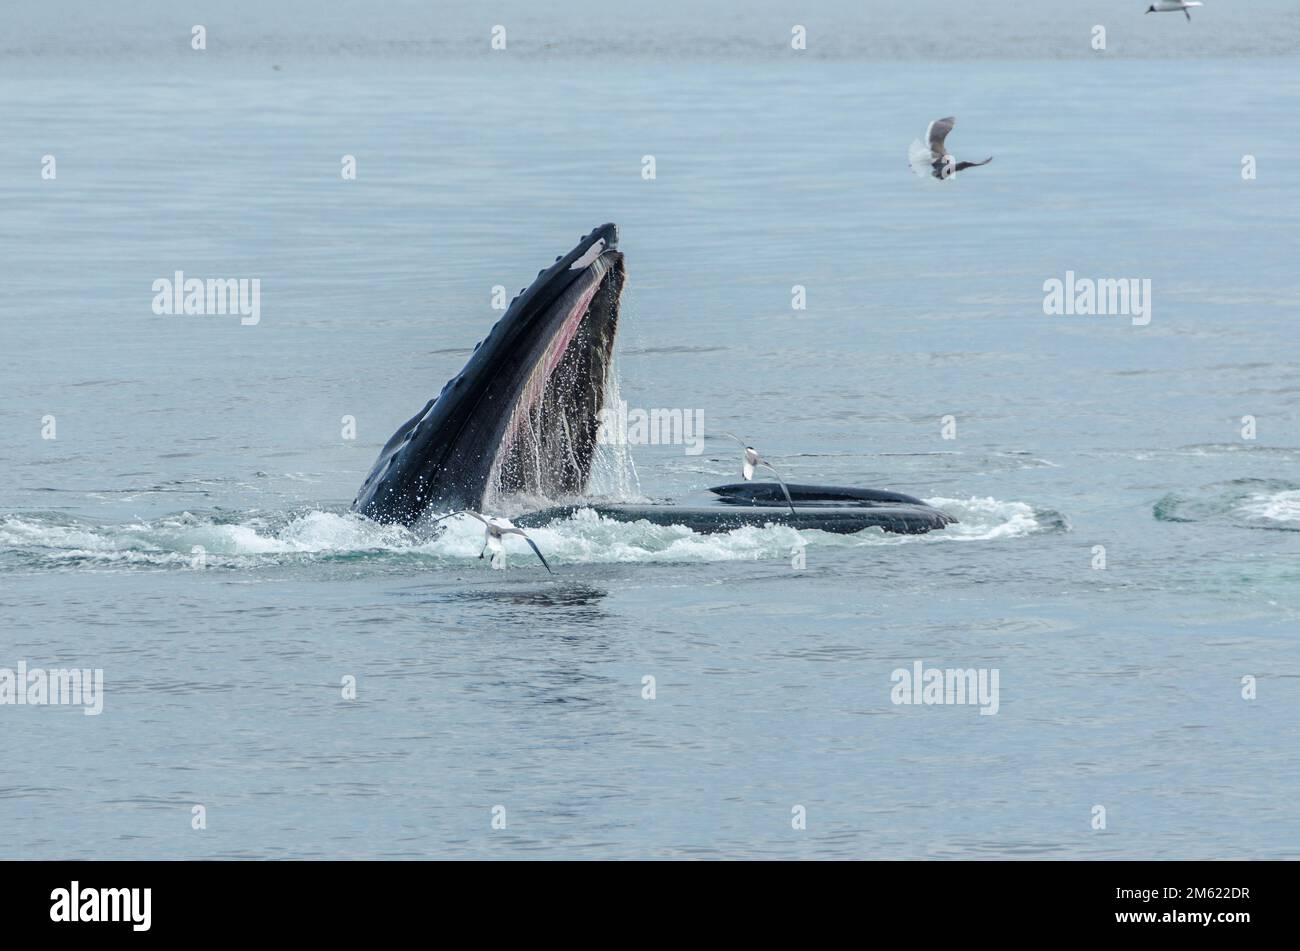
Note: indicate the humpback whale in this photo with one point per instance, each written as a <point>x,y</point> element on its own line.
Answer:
<point>522,418</point>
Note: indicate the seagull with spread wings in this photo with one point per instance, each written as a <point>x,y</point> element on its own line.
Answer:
<point>492,539</point>
<point>933,159</point>
<point>1173,6</point>
<point>752,460</point>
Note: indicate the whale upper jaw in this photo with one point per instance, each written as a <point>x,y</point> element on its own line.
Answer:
<point>522,415</point>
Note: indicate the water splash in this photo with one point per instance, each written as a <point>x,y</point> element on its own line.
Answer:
<point>257,540</point>
<point>1244,503</point>
<point>613,472</point>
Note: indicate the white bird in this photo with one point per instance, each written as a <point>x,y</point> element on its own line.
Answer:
<point>752,460</point>
<point>1173,6</point>
<point>933,159</point>
<point>495,529</point>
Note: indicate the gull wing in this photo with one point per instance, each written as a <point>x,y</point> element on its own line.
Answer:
<point>732,436</point>
<point>936,133</point>
<point>531,544</point>
<point>443,518</point>
<point>785,489</point>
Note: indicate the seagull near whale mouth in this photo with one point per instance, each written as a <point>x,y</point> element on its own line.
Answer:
<point>933,159</point>
<point>495,530</point>
<point>752,460</point>
<point>1173,6</point>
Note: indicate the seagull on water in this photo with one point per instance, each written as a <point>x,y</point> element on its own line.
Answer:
<point>495,529</point>
<point>1173,6</point>
<point>934,160</point>
<point>752,460</point>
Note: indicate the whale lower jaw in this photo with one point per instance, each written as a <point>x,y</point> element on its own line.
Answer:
<point>895,518</point>
<point>826,508</point>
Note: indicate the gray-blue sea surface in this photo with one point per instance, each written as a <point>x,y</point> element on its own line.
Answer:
<point>1120,687</point>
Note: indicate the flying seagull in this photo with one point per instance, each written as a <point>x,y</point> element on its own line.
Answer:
<point>496,528</point>
<point>1173,6</point>
<point>751,460</point>
<point>934,159</point>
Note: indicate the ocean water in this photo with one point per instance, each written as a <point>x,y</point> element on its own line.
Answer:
<point>1120,686</point>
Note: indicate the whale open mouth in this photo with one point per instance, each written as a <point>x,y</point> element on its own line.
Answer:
<point>523,414</point>
<point>549,439</point>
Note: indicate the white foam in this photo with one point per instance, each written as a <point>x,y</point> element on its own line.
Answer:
<point>259,539</point>
<point>988,518</point>
<point>1276,506</point>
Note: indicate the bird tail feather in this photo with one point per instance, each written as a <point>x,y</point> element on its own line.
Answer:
<point>919,159</point>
